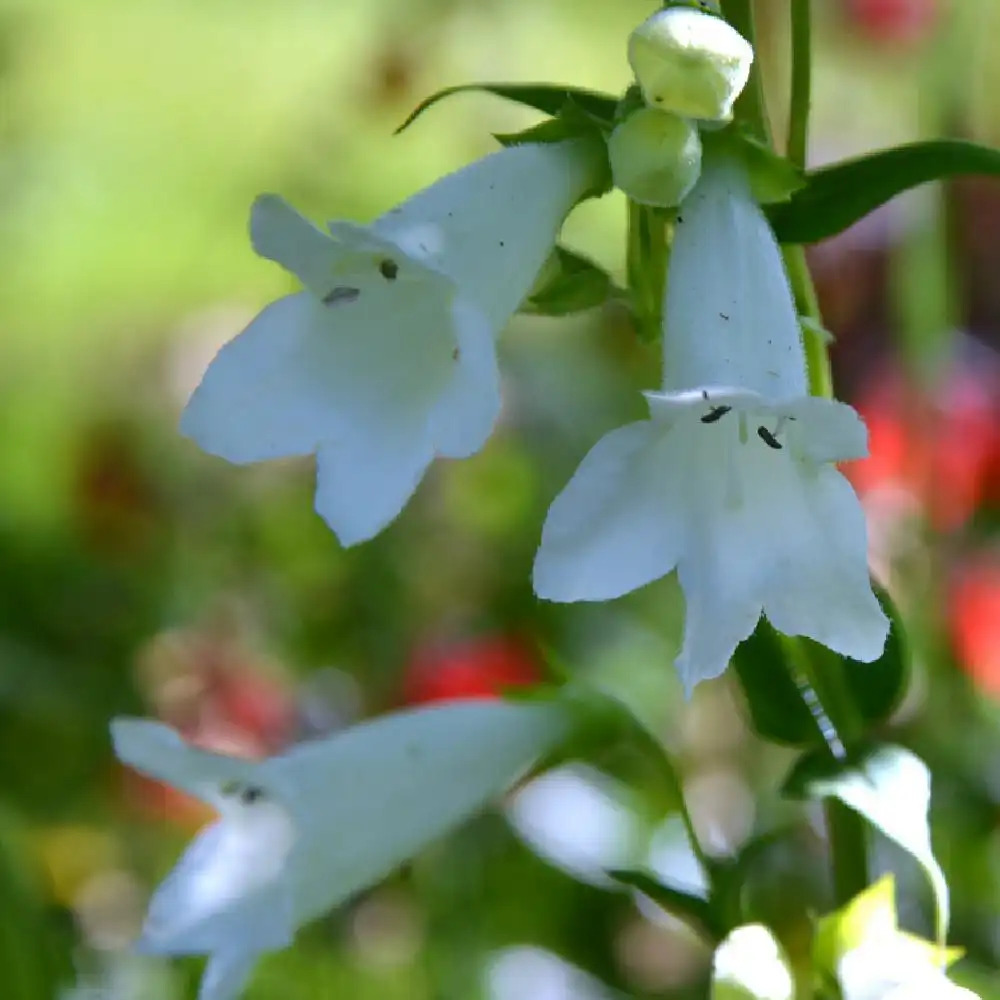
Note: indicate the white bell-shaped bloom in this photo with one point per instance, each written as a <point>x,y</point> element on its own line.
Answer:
<point>731,480</point>
<point>301,832</point>
<point>387,357</point>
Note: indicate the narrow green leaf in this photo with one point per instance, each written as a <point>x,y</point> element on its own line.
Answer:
<point>545,97</point>
<point>838,195</point>
<point>687,906</point>
<point>569,283</point>
<point>891,788</point>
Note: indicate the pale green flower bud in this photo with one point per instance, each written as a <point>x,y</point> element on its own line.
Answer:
<point>655,157</point>
<point>690,62</point>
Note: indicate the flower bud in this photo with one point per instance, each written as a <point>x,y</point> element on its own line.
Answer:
<point>655,157</point>
<point>690,62</point>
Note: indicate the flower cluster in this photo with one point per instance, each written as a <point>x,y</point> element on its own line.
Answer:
<point>387,358</point>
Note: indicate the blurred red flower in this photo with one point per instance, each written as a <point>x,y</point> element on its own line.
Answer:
<point>905,21</point>
<point>974,621</point>
<point>472,668</point>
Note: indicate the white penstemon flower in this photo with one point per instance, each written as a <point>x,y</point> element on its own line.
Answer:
<point>732,479</point>
<point>387,358</point>
<point>301,832</point>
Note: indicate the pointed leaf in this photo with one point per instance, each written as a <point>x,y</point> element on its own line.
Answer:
<point>891,788</point>
<point>545,97</point>
<point>838,195</point>
<point>687,906</point>
<point>568,283</point>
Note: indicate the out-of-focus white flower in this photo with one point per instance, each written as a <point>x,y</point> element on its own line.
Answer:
<point>387,358</point>
<point>301,832</point>
<point>732,479</point>
<point>690,62</point>
<point>749,965</point>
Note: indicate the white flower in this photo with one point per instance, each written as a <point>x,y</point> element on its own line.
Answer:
<point>749,965</point>
<point>302,832</point>
<point>387,358</point>
<point>732,480</point>
<point>895,967</point>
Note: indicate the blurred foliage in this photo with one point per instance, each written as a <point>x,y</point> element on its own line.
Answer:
<point>138,575</point>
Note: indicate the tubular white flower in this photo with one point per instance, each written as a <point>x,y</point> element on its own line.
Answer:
<point>301,832</point>
<point>387,358</point>
<point>731,480</point>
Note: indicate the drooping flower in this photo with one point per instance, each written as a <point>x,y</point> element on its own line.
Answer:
<point>301,832</point>
<point>387,357</point>
<point>731,480</point>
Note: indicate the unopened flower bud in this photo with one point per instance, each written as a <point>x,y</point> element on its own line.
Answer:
<point>655,157</point>
<point>690,62</point>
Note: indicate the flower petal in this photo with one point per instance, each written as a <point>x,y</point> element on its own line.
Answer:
<point>264,395</point>
<point>281,234</point>
<point>373,795</point>
<point>719,578</point>
<point>158,751</point>
<point>820,587</point>
<point>490,226</point>
<point>825,430</point>
<point>613,528</point>
<point>364,479</point>
<point>729,316</point>
<point>227,889</point>
<point>466,411</point>
<point>226,974</point>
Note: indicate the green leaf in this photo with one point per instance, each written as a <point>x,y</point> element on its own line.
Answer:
<point>686,906</point>
<point>777,704</point>
<point>891,788</point>
<point>838,195</point>
<point>545,97</point>
<point>569,283</point>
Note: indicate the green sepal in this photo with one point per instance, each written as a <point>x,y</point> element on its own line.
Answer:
<point>548,98</point>
<point>777,699</point>
<point>569,283</point>
<point>694,910</point>
<point>889,786</point>
<point>837,196</point>
<point>773,178</point>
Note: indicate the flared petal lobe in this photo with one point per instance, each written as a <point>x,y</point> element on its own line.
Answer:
<point>729,316</point>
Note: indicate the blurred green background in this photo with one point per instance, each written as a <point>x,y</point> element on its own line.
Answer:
<point>138,575</point>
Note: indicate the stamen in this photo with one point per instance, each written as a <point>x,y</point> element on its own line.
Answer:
<point>341,294</point>
<point>388,269</point>
<point>716,413</point>
<point>251,794</point>
<point>768,438</point>
<point>744,436</point>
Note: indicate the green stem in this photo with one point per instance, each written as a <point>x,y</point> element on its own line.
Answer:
<point>848,838</point>
<point>813,338</point>
<point>750,108</point>
<point>798,120</point>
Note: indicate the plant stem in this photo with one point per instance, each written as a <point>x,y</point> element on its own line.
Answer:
<point>798,120</point>
<point>750,108</point>
<point>848,838</point>
<point>807,305</point>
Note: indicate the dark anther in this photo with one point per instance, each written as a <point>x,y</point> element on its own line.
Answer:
<point>455,354</point>
<point>342,293</point>
<point>680,218</point>
<point>716,413</point>
<point>388,269</point>
<point>768,438</point>
<point>251,794</point>
<point>723,316</point>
